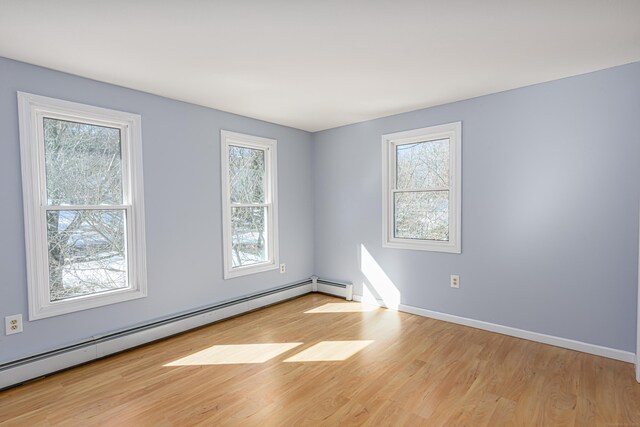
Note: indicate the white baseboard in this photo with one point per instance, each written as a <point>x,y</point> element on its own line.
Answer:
<point>611,353</point>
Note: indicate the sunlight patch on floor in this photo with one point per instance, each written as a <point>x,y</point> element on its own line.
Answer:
<point>234,354</point>
<point>342,307</point>
<point>330,351</point>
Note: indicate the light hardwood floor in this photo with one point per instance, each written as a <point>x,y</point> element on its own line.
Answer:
<point>274,367</point>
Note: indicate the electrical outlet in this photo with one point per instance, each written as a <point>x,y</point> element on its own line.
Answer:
<point>13,324</point>
<point>455,281</point>
<point>283,268</point>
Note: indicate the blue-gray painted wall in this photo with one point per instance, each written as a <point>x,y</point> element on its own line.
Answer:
<point>181,154</point>
<point>549,210</point>
<point>550,192</point>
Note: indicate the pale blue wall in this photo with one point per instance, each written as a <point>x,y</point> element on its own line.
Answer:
<point>550,208</point>
<point>181,144</point>
<point>550,189</point>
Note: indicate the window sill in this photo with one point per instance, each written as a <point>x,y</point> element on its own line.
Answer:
<point>250,269</point>
<point>72,305</point>
<point>446,247</point>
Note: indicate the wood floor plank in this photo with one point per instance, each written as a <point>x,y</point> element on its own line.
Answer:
<point>321,361</point>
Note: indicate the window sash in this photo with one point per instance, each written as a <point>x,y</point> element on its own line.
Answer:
<point>84,207</point>
<point>395,190</point>
<point>264,177</point>
<point>267,230</point>
<point>420,189</point>
<point>125,150</point>
<point>128,242</point>
<point>267,197</point>
<point>396,145</point>
<point>125,180</point>
<point>396,215</point>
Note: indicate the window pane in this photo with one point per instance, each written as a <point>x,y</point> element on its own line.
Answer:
<point>246,175</point>
<point>248,234</point>
<point>83,163</point>
<point>423,164</point>
<point>87,252</point>
<point>422,215</point>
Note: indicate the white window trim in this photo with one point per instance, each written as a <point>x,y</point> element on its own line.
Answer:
<point>32,109</point>
<point>228,138</point>
<point>453,131</point>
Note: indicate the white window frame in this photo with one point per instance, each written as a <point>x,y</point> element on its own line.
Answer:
<point>269,146</point>
<point>32,109</point>
<point>452,131</point>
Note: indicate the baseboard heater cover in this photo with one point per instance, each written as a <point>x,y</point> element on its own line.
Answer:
<point>25,369</point>
<point>22,370</point>
<point>331,287</point>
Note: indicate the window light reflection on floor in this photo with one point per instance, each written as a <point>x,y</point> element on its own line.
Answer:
<point>330,351</point>
<point>342,307</point>
<point>235,354</point>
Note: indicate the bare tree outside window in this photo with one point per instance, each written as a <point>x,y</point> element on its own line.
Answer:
<point>247,180</point>
<point>421,199</point>
<point>422,182</point>
<point>87,247</point>
<point>83,194</point>
<point>249,203</point>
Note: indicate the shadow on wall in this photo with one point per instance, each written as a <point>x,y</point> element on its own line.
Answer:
<point>377,287</point>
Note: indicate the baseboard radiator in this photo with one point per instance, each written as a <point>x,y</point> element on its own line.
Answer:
<point>330,287</point>
<point>29,368</point>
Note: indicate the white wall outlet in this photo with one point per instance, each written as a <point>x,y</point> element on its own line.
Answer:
<point>283,268</point>
<point>13,324</point>
<point>455,281</point>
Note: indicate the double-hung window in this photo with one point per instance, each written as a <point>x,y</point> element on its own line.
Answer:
<point>83,202</point>
<point>249,204</point>
<point>421,195</point>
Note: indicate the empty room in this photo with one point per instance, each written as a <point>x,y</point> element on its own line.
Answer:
<point>286,213</point>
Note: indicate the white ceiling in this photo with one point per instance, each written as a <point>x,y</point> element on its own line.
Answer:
<point>318,64</point>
